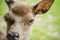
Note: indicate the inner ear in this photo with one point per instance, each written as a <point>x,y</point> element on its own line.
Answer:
<point>43,6</point>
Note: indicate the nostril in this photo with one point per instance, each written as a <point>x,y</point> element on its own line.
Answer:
<point>16,34</point>
<point>9,36</point>
<point>13,36</point>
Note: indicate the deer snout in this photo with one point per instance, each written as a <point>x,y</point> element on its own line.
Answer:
<point>13,36</point>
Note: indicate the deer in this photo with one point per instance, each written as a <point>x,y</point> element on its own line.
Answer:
<point>20,17</point>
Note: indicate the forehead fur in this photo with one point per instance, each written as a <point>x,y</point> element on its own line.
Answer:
<point>20,9</point>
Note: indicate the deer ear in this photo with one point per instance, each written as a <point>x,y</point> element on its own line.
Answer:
<point>9,2</point>
<point>43,6</point>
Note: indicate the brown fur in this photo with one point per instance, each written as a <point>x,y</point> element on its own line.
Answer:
<point>21,10</point>
<point>20,17</point>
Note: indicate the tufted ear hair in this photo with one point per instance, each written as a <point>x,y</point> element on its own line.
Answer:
<point>43,6</point>
<point>9,2</point>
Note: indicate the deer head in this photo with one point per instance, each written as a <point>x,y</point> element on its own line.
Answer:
<point>20,17</point>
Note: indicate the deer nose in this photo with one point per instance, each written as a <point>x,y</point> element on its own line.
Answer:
<point>13,36</point>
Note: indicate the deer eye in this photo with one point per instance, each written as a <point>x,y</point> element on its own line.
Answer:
<point>31,21</point>
<point>9,19</point>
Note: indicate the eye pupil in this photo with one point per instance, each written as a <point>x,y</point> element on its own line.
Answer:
<point>31,21</point>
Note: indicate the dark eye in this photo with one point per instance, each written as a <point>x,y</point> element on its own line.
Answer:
<point>9,19</point>
<point>31,21</point>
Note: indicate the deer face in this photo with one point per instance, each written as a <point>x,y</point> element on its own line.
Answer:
<point>20,17</point>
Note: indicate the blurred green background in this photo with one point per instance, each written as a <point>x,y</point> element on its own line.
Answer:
<point>45,27</point>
